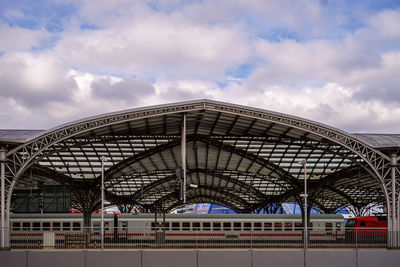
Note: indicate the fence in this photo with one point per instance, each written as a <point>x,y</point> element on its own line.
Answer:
<point>143,238</point>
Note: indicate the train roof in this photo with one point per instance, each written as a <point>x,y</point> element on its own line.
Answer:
<point>234,216</point>
<point>55,215</point>
<point>180,216</point>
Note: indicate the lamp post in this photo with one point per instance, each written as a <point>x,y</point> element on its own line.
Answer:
<point>103,159</point>
<point>304,163</point>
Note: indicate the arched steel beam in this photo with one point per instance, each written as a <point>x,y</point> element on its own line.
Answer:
<point>136,158</point>
<point>120,199</point>
<point>19,159</point>
<point>60,178</point>
<point>263,162</point>
<point>210,199</point>
<point>294,192</point>
<point>87,196</point>
<point>328,181</point>
<point>325,147</point>
<point>251,190</point>
<point>343,194</point>
<point>26,152</point>
<point>111,172</point>
<point>200,138</point>
<point>221,191</point>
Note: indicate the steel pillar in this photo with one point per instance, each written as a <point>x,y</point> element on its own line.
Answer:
<point>393,225</point>
<point>183,153</point>
<point>2,197</point>
<point>103,159</point>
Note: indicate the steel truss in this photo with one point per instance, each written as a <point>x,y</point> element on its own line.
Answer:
<point>233,132</point>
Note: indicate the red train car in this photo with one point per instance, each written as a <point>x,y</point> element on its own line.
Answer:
<point>372,228</point>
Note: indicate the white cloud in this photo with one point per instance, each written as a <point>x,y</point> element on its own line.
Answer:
<point>134,54</point>
<point>156,46</point>
<point>17,38</point>
<point>386,23</point>
<point>34,79</point>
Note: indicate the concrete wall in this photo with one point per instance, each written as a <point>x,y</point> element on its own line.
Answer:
<point>201,258</point>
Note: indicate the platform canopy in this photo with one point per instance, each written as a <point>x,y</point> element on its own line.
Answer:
<point>245,158</point>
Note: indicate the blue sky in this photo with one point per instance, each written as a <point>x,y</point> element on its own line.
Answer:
<point>336,62</point>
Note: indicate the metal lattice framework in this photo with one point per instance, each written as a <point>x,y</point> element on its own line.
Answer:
<point>242,157</point>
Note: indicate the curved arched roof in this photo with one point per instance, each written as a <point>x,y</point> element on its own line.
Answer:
<point>244,156</point>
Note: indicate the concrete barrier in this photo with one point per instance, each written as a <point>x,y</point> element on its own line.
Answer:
<point>169,258</point>
<point>201,258</point>
<point>379,258</point>
<point>113,258</point>
<point>13,259</point>
<point>274,258</point>
<point>56,258</point>
<point>220,258</point>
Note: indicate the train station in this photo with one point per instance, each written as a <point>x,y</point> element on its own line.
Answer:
<point>148,162</point>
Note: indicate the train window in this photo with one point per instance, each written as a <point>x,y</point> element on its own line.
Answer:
<point>298,226</point>
<point>16,226</point>
<point>217,226</point>
<point>46,226</point>
<point>237,226</point>
<point>26,226</point>
<point>96,228</point>
<point>338,225</point>
<point>166,226</point>
<point>267,226</point>
<point>175,226</point>
<point>196,226</point>
<point>257,226</point>
<point>154,226</point>
<point>66,226</point>
<point>287,226</point>
<point>310,226</point>
<point>363,223</point>
<point>185,226</point>
<point>247,226</point>
<point>56,226</point>
<point>206,226</point>
<point>106,226</point>
<point>76,226</point>
<point>124,226</point>
<point>227,226</point>
<point>328,228</point>
<point>278,226</point>
<point>36,226</point>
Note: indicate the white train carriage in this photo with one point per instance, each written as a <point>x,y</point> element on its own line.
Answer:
<point>230,227</point>
<point>28,229</point>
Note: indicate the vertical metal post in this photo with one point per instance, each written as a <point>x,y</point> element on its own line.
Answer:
<point>2,196</point>
<point>393,234</point>
<point>155,217</point>
<point>305,206</point>
<point>163,219</point>
<point>304,163</point>
<point>103,159</point>
<point>356,248</point>
<point>183,152</point>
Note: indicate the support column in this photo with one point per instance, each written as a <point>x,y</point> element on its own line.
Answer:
<point>393,232</point>
<point>183,154</point>
<point>2,197</point>
<point>87,223</point>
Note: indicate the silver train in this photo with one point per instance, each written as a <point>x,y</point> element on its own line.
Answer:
<point>143,228</point>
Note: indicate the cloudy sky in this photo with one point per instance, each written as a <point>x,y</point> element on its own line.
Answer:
<point>333,61</point>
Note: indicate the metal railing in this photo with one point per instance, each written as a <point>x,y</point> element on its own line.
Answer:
<point>143,238</point>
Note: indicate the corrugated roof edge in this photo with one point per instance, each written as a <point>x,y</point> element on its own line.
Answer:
<point>187,103</point>
<point>361,137</point>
